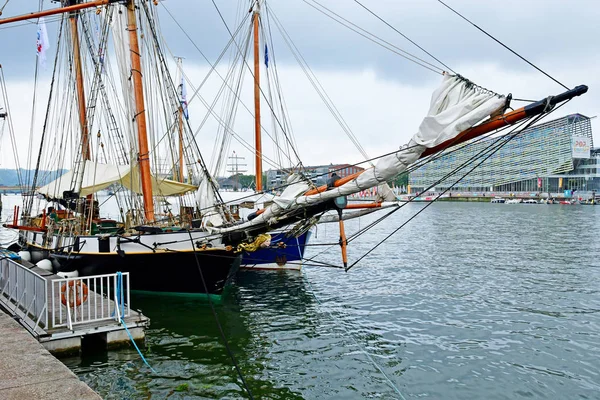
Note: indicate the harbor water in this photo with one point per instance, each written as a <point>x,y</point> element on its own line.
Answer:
<point>467,301</point>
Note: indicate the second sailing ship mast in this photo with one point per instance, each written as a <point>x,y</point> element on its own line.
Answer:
<point>81,105</point>
<point>85,142</point>
<point>257,137</point>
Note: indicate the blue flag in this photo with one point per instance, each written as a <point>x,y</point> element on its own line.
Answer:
<point>266,56</point>
<point>184,103</point>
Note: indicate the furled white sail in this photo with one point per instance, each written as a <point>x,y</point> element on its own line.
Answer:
<point>206,200</point>
<point>455,106</point>
<point>98,176</point>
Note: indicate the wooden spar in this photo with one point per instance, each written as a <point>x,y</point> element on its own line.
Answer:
<point>343,241</point>
<point>337,183</point>
<point>257,137</point>
<point>85,141</point>
<point>61,10</point>
<point>140,113</point>
<point>507,119</point>
<point>362,205</point>
<point>498,122</point>
<point>24,228</point>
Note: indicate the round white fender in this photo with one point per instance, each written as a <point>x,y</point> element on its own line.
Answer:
<point>72,274</point>
<point>44,264</point>
<point>25,255</point>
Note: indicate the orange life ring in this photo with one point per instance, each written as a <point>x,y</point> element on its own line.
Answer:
<point>78,293</point>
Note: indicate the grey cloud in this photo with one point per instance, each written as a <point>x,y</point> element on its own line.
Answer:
<point>545,31</point>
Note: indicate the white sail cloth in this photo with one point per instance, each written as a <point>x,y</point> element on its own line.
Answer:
<point>205,199</point>
<point>98,176</point>
<point>455,106</point>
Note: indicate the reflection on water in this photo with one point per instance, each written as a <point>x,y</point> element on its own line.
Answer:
<point>467,301</point>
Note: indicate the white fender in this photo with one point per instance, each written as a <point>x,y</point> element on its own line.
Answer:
<point>25,255</point>
<point>72,274</point>
<point>44,264</point>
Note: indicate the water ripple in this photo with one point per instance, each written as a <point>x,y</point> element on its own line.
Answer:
<point>467,301</point>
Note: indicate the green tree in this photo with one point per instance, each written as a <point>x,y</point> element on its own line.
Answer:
<point>245,181</point>
<point>400,180</point>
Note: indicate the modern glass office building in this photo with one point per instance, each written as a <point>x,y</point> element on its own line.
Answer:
<point>551,157</point>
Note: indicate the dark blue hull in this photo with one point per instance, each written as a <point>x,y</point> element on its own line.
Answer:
<point>284,253</point>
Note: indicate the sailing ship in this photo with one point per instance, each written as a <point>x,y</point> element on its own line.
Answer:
<point>165,252</point>
<point>287,244</point>
<point>199,249</point>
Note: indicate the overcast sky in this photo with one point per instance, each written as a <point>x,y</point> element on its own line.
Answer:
<point>382,96</point>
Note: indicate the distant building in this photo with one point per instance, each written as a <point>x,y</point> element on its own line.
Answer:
<point>228,183</point>
<point>551,157</point>
<point>319,174</point>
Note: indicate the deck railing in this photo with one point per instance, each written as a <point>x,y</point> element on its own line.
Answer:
<point>45,303</point>
<point>89,299</point>
<point>24,293</point>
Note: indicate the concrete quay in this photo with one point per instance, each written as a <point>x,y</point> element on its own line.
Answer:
<point>29,371</point>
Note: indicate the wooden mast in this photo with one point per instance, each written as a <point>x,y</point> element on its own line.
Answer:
<point>257,137</point>
<point>140,113</point>
<point>85,141</point>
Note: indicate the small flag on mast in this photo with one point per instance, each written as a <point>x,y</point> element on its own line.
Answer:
<point>266,56</point>
<point>184,103</point>
<point>42,43</point>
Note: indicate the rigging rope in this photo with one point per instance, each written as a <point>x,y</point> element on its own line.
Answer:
<point>491,153</point>
<point>317,85</point>
<point>442,179</point>
<point>214,312</point>
<point>8,119</point>
<point>273,114</point>
<point>403,35</point>
<point>402,53</point>
<point>502,44</point>
<point>2,8</point>
<point>210,108</point>
<point>284,110</point>
<point>413,167</point>
<point>45,127</point>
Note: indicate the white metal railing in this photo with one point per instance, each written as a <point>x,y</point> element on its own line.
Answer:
<point>89,299</point>
<point>24,292</point>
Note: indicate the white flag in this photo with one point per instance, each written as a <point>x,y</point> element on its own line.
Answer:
<point>42,42</point>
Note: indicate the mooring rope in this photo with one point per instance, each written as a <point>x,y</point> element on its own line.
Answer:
<point>119,309</point>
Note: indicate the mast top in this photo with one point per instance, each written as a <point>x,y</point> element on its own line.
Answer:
<point>256,7</point>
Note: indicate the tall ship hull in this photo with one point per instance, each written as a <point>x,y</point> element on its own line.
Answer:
<point>153,266</point>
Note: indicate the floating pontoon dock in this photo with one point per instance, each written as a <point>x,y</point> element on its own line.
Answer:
<point>64,313</point>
